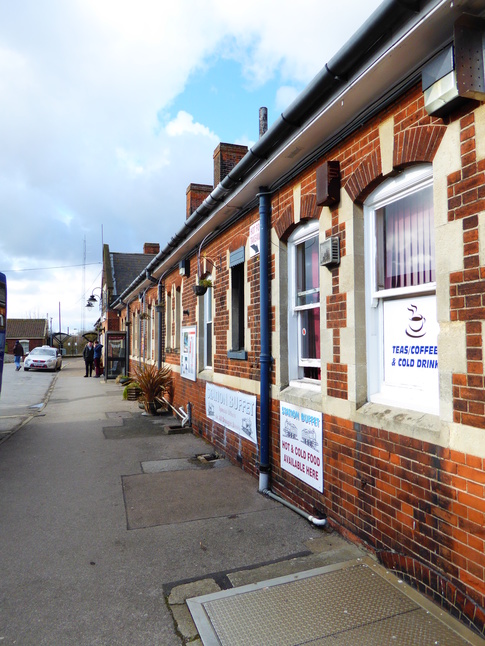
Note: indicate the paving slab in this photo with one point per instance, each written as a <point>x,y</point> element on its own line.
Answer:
<point>165,498</point>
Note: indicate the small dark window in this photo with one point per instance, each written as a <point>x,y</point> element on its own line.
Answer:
<point>236,265</point>
<point>237,300</point>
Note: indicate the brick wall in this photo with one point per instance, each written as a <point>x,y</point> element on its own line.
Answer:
<point>418,506</point>
<point>466,202</point>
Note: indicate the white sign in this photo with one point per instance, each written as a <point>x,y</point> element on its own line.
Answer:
<point>232,409</point>
<point>301,444</point>
<point>188,357</point>
<point>254,239</point>
<point>411,343</point>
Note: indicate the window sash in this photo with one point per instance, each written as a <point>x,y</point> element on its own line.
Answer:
<point>405,254</point>
<point>304,297</point>
<point>237,307</point>
<point>400,268</point>
<point>208,328</point>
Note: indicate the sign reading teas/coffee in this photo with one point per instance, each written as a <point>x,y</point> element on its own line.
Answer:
<point>232,409</point>
<point>411,344</point>
<point>301,444</point>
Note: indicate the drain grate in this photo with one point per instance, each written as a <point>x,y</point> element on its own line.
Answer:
<point>355,603</point>
<point>208,457</point>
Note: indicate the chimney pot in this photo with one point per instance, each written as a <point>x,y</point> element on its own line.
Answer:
<point>263,121</point>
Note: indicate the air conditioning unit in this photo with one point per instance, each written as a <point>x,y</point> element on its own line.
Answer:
<point>457,72</point>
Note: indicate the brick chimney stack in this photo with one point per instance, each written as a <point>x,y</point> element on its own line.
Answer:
<point>151,247</point>
<point>226,157</point>
<point>195,195</point>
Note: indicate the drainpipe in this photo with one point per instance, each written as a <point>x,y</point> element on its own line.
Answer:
<point>319,522</point>
<point>265,357</point>
<point>160,312</point>
<point>128,325</point>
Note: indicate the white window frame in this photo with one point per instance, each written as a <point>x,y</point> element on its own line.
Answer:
<point>408,182</point>
<point>208,321</point>
<point>168,321</point>
<point>295,363</point>
<point>178,317</point>
<point>149,332</point>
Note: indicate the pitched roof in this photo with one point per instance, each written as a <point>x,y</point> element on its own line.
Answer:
<point>126,267</point>
<point>27,328</point>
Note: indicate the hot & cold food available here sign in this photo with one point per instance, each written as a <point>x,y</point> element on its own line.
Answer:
<point>301,444</point>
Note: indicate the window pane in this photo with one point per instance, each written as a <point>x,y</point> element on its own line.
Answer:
<point>208,328</point>
<point>208,341</point>
<point>237,310</point>
<point>310,333</point>
<point>405,241</point>
<point>307,270</point>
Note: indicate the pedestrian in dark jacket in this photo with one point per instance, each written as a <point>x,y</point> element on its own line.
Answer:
<point>88,354</point>
<point>98,351</point>
<point>18,353</point>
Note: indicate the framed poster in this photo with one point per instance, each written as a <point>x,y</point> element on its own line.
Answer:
<point>188,354</point>
<point>301,444</point>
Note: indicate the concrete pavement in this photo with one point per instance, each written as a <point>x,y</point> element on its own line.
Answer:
<point>23,396</point>
<point>110,521</point>
<point>92,544</point>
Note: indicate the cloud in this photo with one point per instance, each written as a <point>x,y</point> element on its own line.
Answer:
<point>284,96</point>
<point>90,138</point>
<point>184,124</point>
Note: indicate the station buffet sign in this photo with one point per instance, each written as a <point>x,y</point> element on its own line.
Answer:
<point>232,409</point>
<point>301,444</point>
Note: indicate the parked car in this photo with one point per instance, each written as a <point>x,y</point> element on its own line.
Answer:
<point>43,358</point>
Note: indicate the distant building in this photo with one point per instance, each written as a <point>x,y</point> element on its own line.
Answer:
<point>119,271</point>
<point>30,332</point>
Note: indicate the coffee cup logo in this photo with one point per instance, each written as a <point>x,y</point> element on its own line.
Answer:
<point>415,328</point>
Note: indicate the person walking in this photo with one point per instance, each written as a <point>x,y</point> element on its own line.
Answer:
<point>18,353</point>
<point>98,351</point>
<point>88,354</point>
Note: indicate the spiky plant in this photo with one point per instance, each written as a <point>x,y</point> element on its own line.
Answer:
<point>153,382</point>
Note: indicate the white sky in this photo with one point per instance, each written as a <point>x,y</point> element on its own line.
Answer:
<point>109,109</point>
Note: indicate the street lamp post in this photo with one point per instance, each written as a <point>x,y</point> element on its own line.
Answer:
<point>93,299</point>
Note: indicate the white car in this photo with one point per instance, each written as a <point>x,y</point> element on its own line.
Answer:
<point>43,358</point>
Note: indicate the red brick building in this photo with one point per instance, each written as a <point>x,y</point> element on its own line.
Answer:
<point>338,352</point>
<point>31,332</point>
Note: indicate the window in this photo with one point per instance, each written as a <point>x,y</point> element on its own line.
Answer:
<point>304,304</point>
<point>208,328</point>
<point>149,334</point>
<point>236,265</point>
<point>168,310</point>
<point>402,328</point>
<point>178,317</point>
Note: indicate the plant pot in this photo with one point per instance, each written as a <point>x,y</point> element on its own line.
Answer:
<point>133,394</point>
<point>151,408</point>
<point>199,290</point>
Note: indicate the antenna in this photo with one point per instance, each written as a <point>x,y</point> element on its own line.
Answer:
<point>83,296</point>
